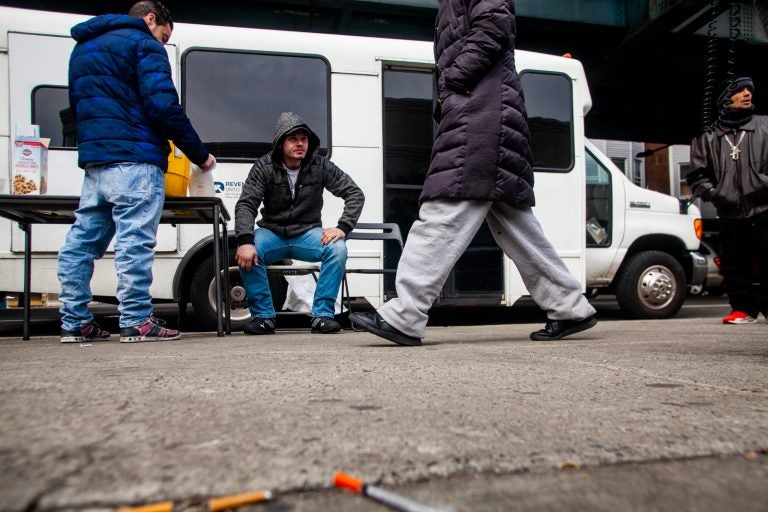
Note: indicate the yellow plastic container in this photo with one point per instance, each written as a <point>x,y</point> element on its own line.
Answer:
<point>177,176</point>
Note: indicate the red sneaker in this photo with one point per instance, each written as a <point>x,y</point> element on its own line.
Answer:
<point>151,330</point>
<point>739,317</point>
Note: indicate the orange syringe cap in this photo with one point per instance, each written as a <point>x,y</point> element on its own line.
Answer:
<point>345,481</point>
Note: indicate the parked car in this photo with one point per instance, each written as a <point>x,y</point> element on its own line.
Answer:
<point>714,282</point>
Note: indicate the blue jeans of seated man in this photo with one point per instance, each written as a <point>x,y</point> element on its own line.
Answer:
<point>306,247</point>
<point>125,200</point>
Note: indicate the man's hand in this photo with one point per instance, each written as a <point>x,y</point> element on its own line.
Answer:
<point>246,256</point>
<point>209,164</point>
<point>331,235</point>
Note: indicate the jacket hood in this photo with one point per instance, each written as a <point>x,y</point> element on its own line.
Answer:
<point>286,123</point>
<point>101,24</point>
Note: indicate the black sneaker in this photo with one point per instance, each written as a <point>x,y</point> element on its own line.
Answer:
<point>260,326</point>
<point>89,332</point>
<point>559,329</point>
<point>325,325</point>
<point>150,330</point>
<point>373,323</point>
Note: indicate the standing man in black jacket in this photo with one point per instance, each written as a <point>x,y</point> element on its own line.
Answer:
<point>730,168</point>
<point>289,182</point>
<point>480,171</point>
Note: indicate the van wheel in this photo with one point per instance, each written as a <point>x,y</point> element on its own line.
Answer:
<point>651,285</point>
<point>203,294</point>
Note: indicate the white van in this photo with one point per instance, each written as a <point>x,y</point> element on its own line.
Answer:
<point>370,100</point>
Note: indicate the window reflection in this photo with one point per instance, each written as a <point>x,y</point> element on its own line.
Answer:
<point>408,137</point>
<point>234,98</point>
<point>50,110</point>
<point>548,101</point>
<point>599,204</point>
<point>407,126</point>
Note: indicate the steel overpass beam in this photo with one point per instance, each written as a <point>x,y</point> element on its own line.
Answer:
<point>651,38</point>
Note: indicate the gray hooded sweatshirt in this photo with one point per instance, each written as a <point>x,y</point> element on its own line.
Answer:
<point>289,215</point>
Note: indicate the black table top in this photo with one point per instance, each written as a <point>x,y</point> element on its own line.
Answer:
<point>47,209</point>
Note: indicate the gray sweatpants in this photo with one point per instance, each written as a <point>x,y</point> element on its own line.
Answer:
<point>441,235</point>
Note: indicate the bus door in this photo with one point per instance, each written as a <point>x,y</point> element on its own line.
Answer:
<point>408,103</point>
<point>559,181</point>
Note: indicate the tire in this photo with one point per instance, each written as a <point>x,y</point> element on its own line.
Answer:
<point>651,285</point>
<point>203,294</point>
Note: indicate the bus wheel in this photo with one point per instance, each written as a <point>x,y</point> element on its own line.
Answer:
<point>651,285</point>
<point>203,294</point>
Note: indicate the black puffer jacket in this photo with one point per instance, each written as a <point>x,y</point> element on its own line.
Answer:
<point>267,184</point>
<point>737,188</point>
<point>482,149</point>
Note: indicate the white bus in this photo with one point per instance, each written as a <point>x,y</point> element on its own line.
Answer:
<point>370,100</point>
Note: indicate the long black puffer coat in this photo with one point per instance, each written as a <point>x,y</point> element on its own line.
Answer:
<point>482,149</point>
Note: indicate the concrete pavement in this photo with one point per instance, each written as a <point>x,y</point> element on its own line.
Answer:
<point>656,414</point>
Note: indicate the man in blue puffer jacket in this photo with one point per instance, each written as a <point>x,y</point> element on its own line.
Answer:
<point>126,109</point>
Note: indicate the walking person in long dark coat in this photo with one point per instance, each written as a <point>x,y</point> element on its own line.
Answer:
<point>481,170</point>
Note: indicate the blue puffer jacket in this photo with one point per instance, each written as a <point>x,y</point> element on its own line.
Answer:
<point>123,98</point>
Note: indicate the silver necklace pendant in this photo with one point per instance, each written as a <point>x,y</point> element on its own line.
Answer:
<point>735,151</point>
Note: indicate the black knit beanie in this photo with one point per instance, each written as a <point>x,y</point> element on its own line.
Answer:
<point>730,117</point>
<point>732,87</point>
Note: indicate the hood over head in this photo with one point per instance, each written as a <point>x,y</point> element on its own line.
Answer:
<point>287,123</point>
<point>99,25</point>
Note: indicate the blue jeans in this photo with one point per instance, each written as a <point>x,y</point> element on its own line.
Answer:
<point>125,200</point>
<point>306,247</point>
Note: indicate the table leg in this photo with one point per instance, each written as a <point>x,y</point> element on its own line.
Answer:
<point>218,267</point>
<point>27,228</point>
<point>227,304</point>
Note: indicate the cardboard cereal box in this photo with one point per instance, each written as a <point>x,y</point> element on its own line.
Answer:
<point>29,172</point>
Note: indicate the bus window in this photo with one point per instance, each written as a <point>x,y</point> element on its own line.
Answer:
<point>50,110</point>
<point>549,103</point>
<point>234,98</point>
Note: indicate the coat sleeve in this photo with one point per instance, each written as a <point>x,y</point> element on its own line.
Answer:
<point>247,206</point>
<point>491,27</point>
<point>701,179</point>
<point>161,103</point>
<point>341,185</point>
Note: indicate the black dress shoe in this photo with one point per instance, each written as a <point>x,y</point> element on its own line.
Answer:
<point>558,329</point>
<point>374,324</point>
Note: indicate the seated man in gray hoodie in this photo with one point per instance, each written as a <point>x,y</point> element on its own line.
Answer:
<point>288,183</point>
